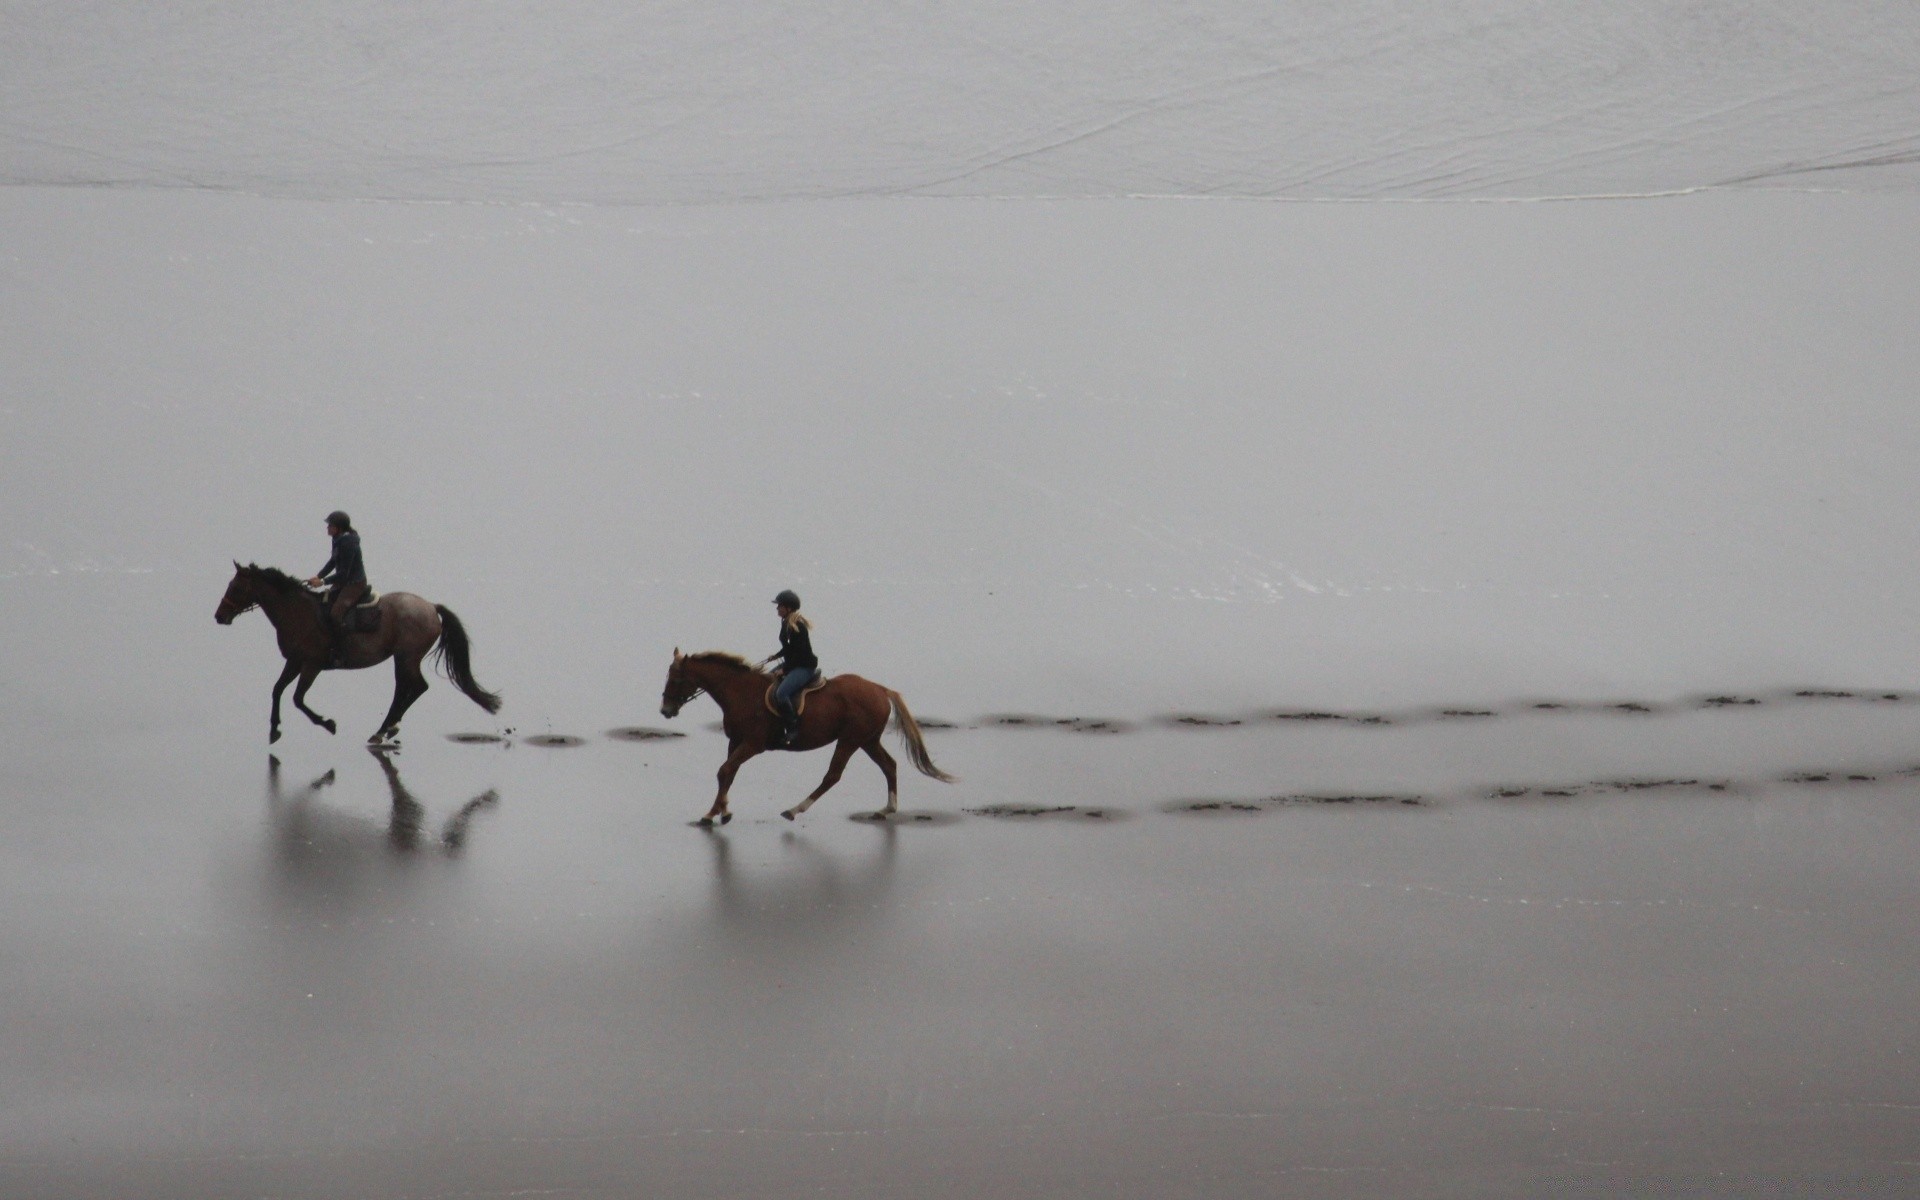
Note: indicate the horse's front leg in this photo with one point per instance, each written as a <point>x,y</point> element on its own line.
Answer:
<point>280,685</point>
<point>307,676</point>
<point>740,752</point>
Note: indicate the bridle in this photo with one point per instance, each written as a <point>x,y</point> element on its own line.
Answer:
<point>690,697</point>
<point>230,608</point>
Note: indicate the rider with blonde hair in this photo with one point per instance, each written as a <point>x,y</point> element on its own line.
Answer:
<point>798,666</point>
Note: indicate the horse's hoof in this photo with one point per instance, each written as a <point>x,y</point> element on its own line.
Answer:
<point>788,814</point>
<point>725,817</point>
<point>329,726</point>
<point>273,736</point>
<point>705,822</point>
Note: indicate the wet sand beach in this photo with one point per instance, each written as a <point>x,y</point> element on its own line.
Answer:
<point>1432,688</point>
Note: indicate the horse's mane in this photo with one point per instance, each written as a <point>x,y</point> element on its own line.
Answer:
<point>275,578</point>
<point>720,658</point>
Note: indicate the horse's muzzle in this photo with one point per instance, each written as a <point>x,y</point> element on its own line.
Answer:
<point>669,711</point>
<point>223,618</point>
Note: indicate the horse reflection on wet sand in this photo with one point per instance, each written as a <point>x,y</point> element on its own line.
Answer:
<point>304,830</point>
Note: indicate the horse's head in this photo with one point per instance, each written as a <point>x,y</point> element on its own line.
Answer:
<point>679,689</point>
<point>240,596</point>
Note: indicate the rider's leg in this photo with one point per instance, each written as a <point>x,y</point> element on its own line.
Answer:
<point>784,692</point>
<point>332,609</point>
<point>338,604</point>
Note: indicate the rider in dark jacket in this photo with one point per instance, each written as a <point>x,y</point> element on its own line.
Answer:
<point>798,666</point>
<point>345,576</point>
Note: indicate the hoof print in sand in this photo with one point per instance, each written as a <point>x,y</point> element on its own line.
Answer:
<point>476,739</point>
<point>554,740</point>
<point>640,733</point>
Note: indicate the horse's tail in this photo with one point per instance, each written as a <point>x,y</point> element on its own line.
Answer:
<point>454,654</point>
<point>915,744</point>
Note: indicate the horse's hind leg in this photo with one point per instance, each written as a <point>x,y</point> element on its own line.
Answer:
<point>280,685</point>
<point>307,676</point>
<point>878,754</point>
<point>841,753</point>
<point>409,684</point>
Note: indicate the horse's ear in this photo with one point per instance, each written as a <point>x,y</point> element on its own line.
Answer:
<point>236,564</point>
<point>676,654</point>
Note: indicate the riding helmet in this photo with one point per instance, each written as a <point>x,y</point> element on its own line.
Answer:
<point>787,598</point>
<point>336,517</point>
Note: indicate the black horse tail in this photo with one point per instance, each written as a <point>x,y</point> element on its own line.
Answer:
<point>454,654</point>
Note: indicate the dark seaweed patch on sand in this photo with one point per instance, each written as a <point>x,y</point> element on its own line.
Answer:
<point>1561,791</point>
<point>1215,807</point>
<point>905,817</point>
<point>1228,807</point>
<point>1068,724</point>
<point>554,740</point>
<point>1637,708</point>
<point>1061,811</point>
<point>640,733</point>
<point>1345,798</point>
<point>1092,725</point>
<point>476,739</point>
<point>1200,721</point>
<point>1829,777</point>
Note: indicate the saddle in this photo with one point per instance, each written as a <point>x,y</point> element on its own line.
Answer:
<point>800,701</point>
<point>364,616</point>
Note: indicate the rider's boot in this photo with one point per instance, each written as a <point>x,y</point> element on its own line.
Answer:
<point>336,659</point>
<point>784,725</point>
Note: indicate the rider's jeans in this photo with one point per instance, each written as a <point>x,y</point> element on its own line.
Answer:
<point>790,685</point>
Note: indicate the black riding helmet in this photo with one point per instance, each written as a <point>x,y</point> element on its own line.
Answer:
<point>336,517</point>
<point>787,598</point>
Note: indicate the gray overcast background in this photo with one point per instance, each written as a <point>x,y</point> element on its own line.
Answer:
<point>688,102</point>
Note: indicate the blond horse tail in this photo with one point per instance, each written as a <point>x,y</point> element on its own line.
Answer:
<point>916,746</point>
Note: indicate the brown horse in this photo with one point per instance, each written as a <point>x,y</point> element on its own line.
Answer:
<point>409,627</point>
<point>850,713</point>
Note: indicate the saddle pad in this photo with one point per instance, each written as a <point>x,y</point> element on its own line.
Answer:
<point>800,701</point>
<point>363,617</point>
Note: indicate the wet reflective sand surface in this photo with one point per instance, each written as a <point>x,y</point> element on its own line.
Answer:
<point>474,969</point>
<point>1425,726</point>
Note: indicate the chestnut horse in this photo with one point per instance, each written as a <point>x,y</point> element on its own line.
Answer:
<point>409,627</point>
<point>850,713</point>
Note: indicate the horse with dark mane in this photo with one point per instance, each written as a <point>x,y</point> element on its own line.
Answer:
<point>847,712</point>
<point>407,629</point>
